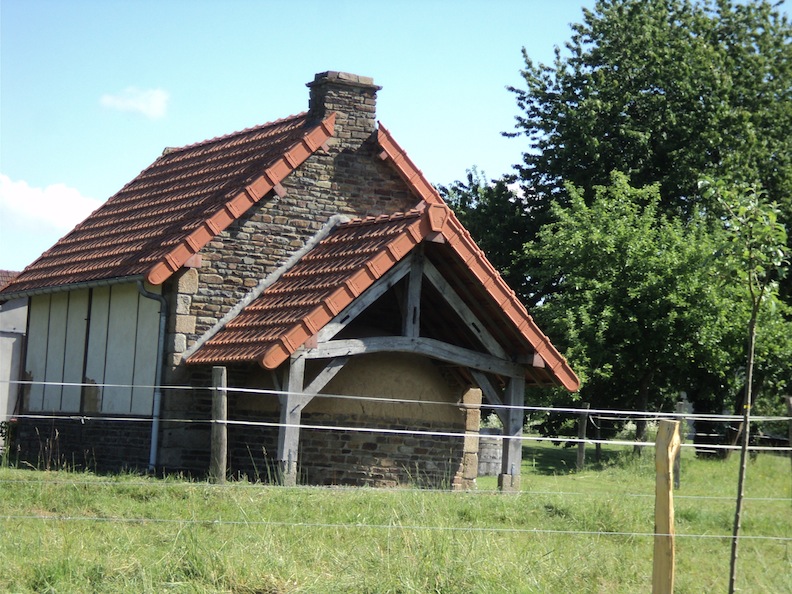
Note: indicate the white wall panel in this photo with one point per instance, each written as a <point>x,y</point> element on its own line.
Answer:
<point>121,339</point>
<point>145,356</point>
<point>36,361</point>
<point>56,351</point>
<point>75,350</point>
<point>97,345</point>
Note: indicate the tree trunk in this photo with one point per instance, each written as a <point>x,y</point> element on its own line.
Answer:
<point>746,433</point>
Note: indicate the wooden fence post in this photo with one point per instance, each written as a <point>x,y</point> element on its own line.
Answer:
<point>666,448</point>
<point>219,446</point>
<point>581,452</point>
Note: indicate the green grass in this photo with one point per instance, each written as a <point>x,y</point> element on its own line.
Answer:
<point>74,532</point>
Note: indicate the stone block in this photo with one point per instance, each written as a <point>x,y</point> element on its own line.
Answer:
<point>472,397</point>
<point>469,465</point>
<point>509,482</point>
<point>471,443</point>
<point>188,282</point>
<point>179,344</point>
<point>183,303</point>
<point>185,324</point>
<point>472,420</point>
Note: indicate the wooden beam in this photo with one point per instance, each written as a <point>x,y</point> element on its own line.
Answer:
<point>509,479</point>
<point>327,374</point>
<point>490,391</point>
<point>359,305</point>
<point>428,347</point>
<point>465,313</point>
<point>291,402</point>
<point>411,321</point>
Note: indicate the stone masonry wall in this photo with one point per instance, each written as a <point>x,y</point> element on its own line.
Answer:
<point>349,179</point>
<point>349,457</point>
<point>368,458</point>
<point>94,444</point>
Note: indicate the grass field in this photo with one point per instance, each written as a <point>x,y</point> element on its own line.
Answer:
<point>565,532</point>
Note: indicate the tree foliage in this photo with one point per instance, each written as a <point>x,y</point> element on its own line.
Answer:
<point>637,304</point>
<point>632,273</point>
<point>666,91</point>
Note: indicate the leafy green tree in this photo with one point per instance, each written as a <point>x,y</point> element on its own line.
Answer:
<point>758,242</point>
<point>638,307</point>
<point>667,91</point>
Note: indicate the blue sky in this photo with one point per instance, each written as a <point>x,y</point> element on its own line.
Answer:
<point>92,91</point>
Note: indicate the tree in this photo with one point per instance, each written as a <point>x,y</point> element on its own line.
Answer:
<point>758,242</point>
<point>666,91</point>
<point>637,309</point>
<point>497,219</point>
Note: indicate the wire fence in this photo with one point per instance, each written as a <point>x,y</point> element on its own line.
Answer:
<point>593,416</point>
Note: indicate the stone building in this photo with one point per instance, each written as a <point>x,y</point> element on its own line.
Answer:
<point>359,323</point>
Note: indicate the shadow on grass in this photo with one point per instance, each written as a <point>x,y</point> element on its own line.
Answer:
<point>550,459</point>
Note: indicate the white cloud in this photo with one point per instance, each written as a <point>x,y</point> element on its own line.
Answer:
<point>152,103</point>
<point>58,207</point>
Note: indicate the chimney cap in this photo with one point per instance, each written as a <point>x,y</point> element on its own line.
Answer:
<point>343,78</point>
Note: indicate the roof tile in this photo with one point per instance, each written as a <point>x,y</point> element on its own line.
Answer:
<point>340,268</point>
<point>306,297</point>
<point>175,206</point>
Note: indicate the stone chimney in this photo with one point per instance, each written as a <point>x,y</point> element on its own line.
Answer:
<point>354,100</point>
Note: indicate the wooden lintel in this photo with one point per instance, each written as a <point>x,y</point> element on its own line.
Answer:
<point>428,347</point>
<point>463,311</point>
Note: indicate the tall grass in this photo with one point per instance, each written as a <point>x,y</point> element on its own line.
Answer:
<point>565,532</point>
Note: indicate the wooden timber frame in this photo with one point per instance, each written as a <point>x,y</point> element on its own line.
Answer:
<point>481,365</point>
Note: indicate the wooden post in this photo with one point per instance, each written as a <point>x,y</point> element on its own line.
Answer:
<point>292,402</point>
<point>219,447</point>
<point>581,449</point>
<point>509,479</point>
<point>666,447</point>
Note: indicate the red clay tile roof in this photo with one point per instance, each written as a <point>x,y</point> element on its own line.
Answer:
<point>321,284</point>
<point>6,276</point>
<point>461,241</point>
<point>174,207</point>
<point>341,267</point>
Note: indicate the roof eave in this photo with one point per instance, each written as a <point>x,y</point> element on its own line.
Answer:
<point>102,282</point>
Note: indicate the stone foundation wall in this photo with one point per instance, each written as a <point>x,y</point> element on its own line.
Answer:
<point>350,457</point>
<point>95,445</point>
<point>371,459</point>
